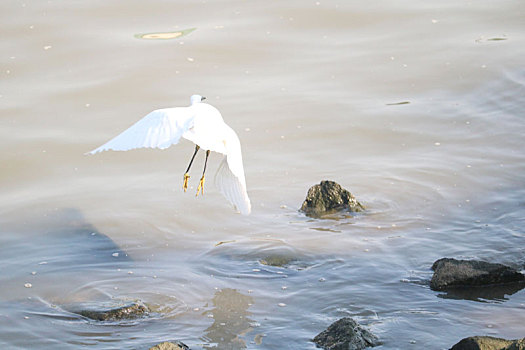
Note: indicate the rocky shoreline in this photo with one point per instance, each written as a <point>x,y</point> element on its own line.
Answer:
<point>471,278</point>
<point>460,279</point>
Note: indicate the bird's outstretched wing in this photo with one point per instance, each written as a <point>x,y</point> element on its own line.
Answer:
<point>233,187</point>
<point>159,129</point>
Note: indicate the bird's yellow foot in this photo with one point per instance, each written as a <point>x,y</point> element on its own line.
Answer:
<point>185,184</point>
<point>201,187</point>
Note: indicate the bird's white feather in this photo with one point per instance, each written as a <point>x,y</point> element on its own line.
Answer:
<point>232,187</point>
<point>203,125</point>
<point>208,129</point>
<point>159,129</point>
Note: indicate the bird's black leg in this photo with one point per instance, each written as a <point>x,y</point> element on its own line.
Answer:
<point>201,183</point>
<point>186,175</point>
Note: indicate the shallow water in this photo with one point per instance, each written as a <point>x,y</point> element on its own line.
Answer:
<point>416,108</point>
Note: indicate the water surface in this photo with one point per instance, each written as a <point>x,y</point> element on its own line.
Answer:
<point>416,108</point>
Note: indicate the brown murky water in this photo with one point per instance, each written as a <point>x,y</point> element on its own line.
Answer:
<point>415,107</point>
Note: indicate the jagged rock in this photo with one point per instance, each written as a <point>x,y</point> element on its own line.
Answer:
<point>170,346</point>
<point>452,273</point>
<point>126,312</point>
<point>489,343</point>
<point>329,196</point>
<point>345,334</point>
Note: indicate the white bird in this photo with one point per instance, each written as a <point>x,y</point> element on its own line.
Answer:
<point>202,124</point>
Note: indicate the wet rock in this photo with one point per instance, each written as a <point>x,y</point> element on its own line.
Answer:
<point>328,197</point>
<point>126,312</point>
<point>170,346</point>
<point>345,334</point>
<point>452,273</point>
<point>489,343</point>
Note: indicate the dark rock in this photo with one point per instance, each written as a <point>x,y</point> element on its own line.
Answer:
<point>345,334</point>
<point>327,197</point>
<point>452,273</point>
<point>489,343</point>
<point>170,346</point>
<point>126,312</point>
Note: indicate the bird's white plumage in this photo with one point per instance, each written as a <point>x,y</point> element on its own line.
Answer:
<point>232,187</point>
<point>203,125</point>
<point>159,129</point>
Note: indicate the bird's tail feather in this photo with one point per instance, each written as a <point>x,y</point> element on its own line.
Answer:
<point>232,188</point>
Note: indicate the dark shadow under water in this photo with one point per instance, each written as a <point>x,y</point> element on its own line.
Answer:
<point>494,293</point>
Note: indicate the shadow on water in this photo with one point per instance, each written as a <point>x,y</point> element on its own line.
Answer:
<point>496,293</point>
<point>48,259</point>
<point>62,240</point>
<point>83,243</point>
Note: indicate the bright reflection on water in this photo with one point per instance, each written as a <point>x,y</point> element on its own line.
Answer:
<point>416,108</point>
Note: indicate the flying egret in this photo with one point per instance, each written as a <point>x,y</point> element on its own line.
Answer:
<point>202,124</point>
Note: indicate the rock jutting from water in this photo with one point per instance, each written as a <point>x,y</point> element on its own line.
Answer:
<point>452,273</point>
<point>170,346</point>
<point>489,343</point>
<point>328,197</point>
<point>126,312</point>
<point>345,334</point>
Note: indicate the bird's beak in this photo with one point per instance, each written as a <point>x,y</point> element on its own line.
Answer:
<point>203,98</point>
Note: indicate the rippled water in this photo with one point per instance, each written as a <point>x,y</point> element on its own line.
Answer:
<point>416,108</point>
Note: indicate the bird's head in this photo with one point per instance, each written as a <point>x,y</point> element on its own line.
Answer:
<point>196,99</point>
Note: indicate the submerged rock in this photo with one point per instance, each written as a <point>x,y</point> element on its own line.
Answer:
<point>277,260</point>
<point>345,334</point>
<point>329,196</point>
<point>489,343</point>
<point>170,346</point>
<point>126,312</point>
<point>452,273</point>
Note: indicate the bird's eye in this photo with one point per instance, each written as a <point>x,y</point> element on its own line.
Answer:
<point>203,98</point>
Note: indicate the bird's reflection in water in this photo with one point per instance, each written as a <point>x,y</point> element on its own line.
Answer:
<point>231,322</point>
